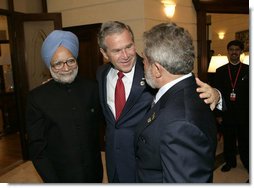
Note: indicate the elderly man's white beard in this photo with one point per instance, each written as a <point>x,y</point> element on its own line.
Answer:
<point>64,77</point>
<point>149,78</point>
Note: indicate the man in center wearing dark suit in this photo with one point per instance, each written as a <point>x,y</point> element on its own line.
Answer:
<point>116,41</point>
<point>176,140</point>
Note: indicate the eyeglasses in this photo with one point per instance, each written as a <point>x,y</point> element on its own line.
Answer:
<point>71,62</point>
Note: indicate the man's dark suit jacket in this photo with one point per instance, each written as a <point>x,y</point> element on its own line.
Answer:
<point>120,135</point>
<point>62,126</point>
<point>237,112</point>
<point>176,141</point>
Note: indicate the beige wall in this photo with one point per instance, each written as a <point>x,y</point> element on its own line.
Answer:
<point>3,4</point>
<point>25,6</point>
<point>141,15</point>
<point>230,23</point>
<point>28,6</point>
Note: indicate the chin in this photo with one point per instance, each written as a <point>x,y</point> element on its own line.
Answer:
<point>64,78</point>
<point>127,69</point>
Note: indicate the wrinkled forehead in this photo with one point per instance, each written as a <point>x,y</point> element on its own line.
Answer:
<point>118,40</point>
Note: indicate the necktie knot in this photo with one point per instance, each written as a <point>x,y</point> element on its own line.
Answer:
<point>120,75</point>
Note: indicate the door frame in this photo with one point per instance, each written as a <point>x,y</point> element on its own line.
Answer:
<point>88,34</point>
<point>212,6</point>
<point>19,66</point>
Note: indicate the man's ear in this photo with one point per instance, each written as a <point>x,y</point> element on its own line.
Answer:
<point>157,70</point>
<point>104,54</point>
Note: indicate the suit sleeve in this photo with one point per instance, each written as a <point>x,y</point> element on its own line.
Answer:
<point>186,154</point>
<point>36,128</point>
<point>219,76</point>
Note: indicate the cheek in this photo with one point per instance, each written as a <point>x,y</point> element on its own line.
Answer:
<point>114,58</point>
<point>145,66</point>
<point>133,52</point>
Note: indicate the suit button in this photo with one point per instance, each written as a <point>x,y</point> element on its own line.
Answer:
<point>143,139</point>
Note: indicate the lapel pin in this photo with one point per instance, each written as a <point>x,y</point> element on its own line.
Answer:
<point>142,83</point>
<point>151,118</point>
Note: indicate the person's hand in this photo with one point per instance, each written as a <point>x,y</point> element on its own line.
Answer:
<point>209,94</point>
<point>44,82</point>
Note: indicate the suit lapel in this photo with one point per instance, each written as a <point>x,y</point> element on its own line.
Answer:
<point>176,88</point>
<point>154,112</point>
<point>138,85</point>
<point>104,93</point>
<point>151,115</point>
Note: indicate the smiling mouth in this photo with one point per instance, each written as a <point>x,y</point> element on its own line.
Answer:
<point>66,73</point>
<point>126,62</point>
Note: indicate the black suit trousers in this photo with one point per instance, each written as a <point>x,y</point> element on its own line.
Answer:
<point>236,140</point>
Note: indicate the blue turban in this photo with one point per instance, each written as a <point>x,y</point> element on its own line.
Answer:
<point>59,38</point>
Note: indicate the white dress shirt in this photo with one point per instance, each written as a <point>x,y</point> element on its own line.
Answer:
<point>111,85</point>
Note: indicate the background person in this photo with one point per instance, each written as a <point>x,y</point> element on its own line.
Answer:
<point>232,80</point>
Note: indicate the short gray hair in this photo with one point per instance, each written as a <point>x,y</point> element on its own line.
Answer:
<point>109,28</point>
<point>171,46</point>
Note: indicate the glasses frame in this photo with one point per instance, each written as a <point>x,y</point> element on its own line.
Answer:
<point>59,64</point>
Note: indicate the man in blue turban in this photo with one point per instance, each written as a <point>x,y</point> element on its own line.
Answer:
<point>62,117</point>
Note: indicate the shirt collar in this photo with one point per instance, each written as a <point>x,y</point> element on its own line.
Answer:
<point>167,86</point>
<point>127,76</point>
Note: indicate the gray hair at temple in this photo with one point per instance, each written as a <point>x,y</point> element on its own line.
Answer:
<point>109,28</point>
<point>171,46</point>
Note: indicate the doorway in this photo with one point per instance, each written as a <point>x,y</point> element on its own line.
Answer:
<point>20,71</point>
<point>10,145</point>
<point>90,58</point>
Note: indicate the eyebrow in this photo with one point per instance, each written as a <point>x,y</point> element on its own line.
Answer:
<point>237,48</point>
<point>119,49</point>
<point>57,60</point>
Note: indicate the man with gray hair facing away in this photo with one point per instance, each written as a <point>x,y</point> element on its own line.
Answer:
<point>176,140</point>
<point>62,117</point>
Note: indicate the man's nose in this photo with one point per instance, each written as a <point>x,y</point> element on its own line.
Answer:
<point>124,53</point>
<point>66,67</point>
